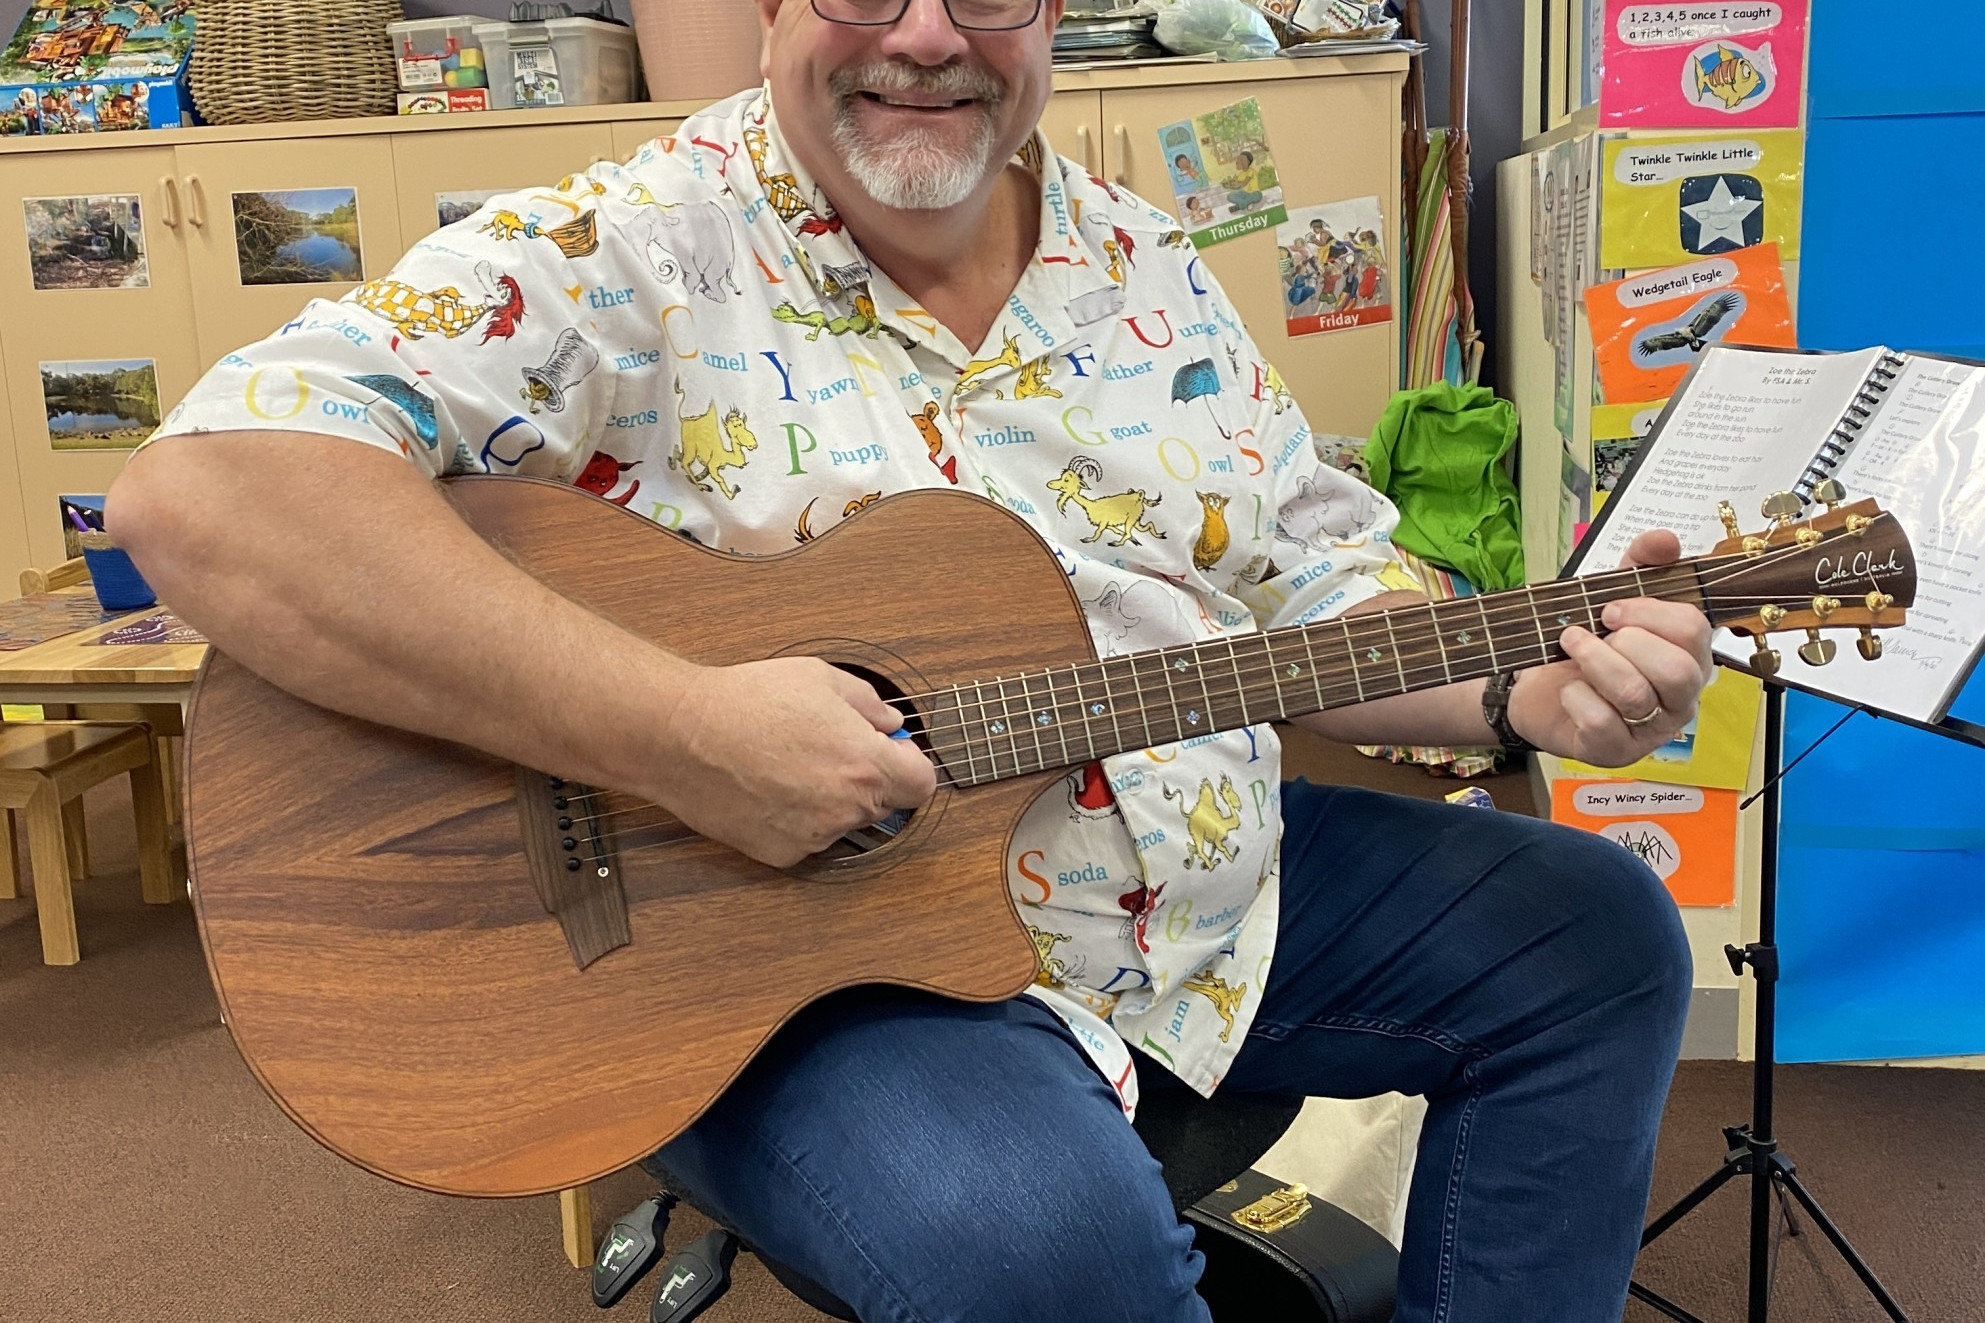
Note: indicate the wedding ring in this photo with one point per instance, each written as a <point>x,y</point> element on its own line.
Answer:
<point>1637,722</point>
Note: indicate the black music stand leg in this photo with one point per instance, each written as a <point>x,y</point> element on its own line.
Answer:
<point>1753,1149</point>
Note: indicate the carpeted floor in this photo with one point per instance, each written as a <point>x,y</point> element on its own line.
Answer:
<point>144,1175</point>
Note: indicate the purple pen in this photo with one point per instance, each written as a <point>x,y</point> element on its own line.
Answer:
<point>77,520</point>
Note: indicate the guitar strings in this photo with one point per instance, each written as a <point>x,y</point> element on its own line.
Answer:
<point>1410,661</point>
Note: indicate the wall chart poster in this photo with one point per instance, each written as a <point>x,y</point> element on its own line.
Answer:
<point>1671,199</point>
<point>1222,174</point>
<point>1648,330</point>
<point>1689,64</point>
<point>1332,262</point>
<point>1686,834</point>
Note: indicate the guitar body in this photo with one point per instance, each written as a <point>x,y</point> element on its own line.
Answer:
<point>392,972</point>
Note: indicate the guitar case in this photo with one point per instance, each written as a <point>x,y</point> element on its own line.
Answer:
<point>1273,1251</point>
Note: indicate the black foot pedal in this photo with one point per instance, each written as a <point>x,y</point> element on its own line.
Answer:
<point>630,1249</point>
<point>695,1278</point>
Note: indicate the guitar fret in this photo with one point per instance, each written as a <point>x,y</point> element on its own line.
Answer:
<point>1054,712</point>
<point>1397,660</point>
<point>1004,726</point>
<point>1275,677</point>
<point>1171,696</point>
<point>1591,621</point>
<point>1488,632</point>
<point>1240,684</point>
<point>1199,667</point>
<point>1543,643</point>
<point>1441,643</point>
<point>1082,706</point>
<point>1143,708</point>
<point>985,725</point>
<point>1036,721</point>
<point>1110,697</point>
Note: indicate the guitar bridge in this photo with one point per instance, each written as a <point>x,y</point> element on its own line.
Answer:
<point>572,864</point>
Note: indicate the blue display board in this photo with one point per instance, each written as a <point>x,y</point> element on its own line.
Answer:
<point>1881,923</point>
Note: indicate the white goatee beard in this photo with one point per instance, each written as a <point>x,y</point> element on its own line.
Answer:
<point>915,171</point>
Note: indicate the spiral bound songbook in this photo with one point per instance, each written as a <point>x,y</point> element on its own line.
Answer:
<point>1907,429</point>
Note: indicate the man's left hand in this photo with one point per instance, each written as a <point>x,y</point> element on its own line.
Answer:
<point>1624,694</point>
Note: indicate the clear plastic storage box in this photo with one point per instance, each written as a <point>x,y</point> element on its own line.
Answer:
<point>559,62</point>
<point>432,53</point>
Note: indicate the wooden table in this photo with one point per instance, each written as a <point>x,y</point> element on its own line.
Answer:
<point>75,671</point>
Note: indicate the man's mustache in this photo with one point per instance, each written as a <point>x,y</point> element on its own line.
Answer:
<point>950,82</point>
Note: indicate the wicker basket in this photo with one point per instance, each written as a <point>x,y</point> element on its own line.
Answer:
<point>260,60</point>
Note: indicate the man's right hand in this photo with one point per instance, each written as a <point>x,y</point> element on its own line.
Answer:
<point>779,758</point>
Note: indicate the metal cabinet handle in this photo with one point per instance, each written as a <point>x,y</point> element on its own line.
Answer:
<point>1082,144</point>
<point>1123,158</point>
<point>169,192</point>
<point>196,201</point>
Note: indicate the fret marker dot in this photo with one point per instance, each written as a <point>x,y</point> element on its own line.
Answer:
<point>1192,717</point>
<point>1096,709</point>
<point>1464,637</point>
<point>1179,665</point>
<point>1043,719</point>
<point>1373,655</point>
<point>1563,618</point>
<point>1294,670</point>
<point>998,728</point>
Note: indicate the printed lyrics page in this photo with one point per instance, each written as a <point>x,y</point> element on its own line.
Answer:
<point>1745,425</point>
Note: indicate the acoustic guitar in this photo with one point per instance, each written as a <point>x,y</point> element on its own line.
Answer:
<point>483,979</point>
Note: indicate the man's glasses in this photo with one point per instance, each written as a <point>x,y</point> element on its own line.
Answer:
<point>970,15</point>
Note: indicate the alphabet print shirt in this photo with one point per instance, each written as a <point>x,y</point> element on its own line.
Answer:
<point>694,337</point>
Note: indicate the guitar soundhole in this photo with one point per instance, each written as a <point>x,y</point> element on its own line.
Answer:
<point>865,840</point>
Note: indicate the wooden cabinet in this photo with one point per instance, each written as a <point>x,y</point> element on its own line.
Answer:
<point>242,226</point>
<point>426,165</point>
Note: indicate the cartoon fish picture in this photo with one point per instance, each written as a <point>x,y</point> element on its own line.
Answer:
<point>1729,76</point>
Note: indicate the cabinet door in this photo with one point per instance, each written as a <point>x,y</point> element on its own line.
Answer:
<point>98,334</point>
<point>271,225</point>
<point>456,164</point>
<point>1073,121</point>
<point>1332,139</point>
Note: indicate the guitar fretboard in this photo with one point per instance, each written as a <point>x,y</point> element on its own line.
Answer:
<point>1069,715</point>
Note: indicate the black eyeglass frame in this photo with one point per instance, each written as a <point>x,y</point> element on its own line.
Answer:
<point>904,8</point>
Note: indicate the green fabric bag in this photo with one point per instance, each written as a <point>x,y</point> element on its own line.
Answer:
<point>1437,453</point>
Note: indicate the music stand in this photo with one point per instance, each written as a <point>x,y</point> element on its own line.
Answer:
<point>1753,1148</point>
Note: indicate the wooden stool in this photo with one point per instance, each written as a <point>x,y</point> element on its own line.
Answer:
<point>44,766</point>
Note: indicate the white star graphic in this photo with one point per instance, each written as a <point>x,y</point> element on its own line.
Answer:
<point>1721,215</point>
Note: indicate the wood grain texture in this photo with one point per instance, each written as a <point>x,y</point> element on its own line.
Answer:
<point>390,972</point>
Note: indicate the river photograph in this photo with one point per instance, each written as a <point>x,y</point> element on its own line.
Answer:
<point>103,404</point>
<point>297,236</point>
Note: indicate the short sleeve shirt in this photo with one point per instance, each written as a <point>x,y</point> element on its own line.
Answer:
<point>695,337</point>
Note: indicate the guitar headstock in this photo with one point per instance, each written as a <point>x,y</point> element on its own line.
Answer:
<point>1850,567</point>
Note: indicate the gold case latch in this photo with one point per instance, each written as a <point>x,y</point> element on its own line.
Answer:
<point>1276,1210</point>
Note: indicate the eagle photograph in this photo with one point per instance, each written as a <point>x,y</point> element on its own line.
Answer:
<point>1700,331</point>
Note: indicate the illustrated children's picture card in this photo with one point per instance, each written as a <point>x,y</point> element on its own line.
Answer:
<point>1332,261</point>
<point>1713,750</point>
<point>1221,173</point>
<point>1686,834</point>
<point>1670,199</point>
<point>1689,64</point>
<point>1648,330</point>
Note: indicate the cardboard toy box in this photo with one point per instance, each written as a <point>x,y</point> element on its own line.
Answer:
<point>87,68</point>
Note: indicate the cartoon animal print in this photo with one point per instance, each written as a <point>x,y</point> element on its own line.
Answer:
<point>835,280</point>
<point>1139,905</point>
<point>1089,793</point>
<point>1117,610</point>
<point>1207,828</point>
<point>578,237</point>
<point>1728,76</point>
<point>706,447</point>
<point>1696,335</point>
<point>1225,1000</point>
<point>968,378</point>
<point>783,190</point>
<point>446,311</point>
<point>1033,382</point>
<point>1174,239</point>
<point>1213,535</point>
<point>1327,512</point>
<point>1122,514</point>
<point>602,474</point>
<point>1053,972</point>
<point>1277,388</point>
<point>933,436</point>
<point>1119,248</point>
<point>863,322</point>
<point>693,240</point>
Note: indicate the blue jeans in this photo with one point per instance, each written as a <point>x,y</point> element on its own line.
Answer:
<point>931,1161</point>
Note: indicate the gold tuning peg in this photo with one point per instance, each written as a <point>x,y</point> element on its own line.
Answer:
<point>1765,660</point>
<point>1728,514</point>
<point>1869,646</point>
<point>1816,651</point>
<point>1830,492</point>
<point>1780,506</point>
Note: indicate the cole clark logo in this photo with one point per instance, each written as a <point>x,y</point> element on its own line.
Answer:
<point>1830,570</point>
